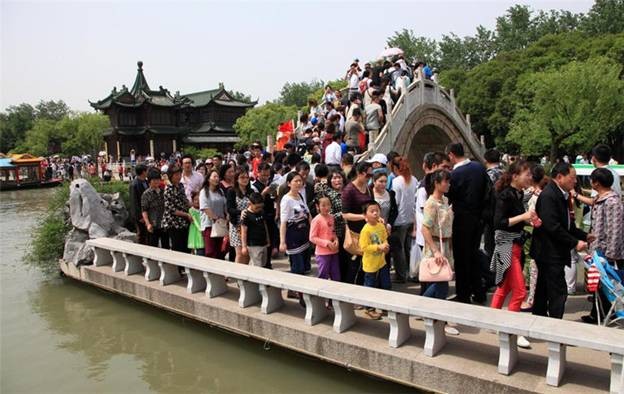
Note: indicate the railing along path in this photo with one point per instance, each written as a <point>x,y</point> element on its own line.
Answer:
<point>260,285</point>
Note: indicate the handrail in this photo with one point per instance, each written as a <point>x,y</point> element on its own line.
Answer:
<point>259,285</point>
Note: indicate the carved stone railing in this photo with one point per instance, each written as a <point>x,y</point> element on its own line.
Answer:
<point>265,287</point>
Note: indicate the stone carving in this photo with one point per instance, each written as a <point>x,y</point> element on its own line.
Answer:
<point>93,215</point>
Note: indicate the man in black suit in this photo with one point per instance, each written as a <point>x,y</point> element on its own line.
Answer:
<point>553,241</point>
<point>466,194</point>
<point>136,189</point>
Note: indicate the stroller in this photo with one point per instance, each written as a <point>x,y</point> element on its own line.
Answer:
<point>611,287</point>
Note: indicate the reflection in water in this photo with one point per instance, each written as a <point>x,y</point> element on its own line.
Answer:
<point>78,338</point>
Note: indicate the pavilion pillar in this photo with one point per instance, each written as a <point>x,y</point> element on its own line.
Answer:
<point>174,145</point>
<point>151,143</point>
<point>118,149</point>
<point>106,147</point>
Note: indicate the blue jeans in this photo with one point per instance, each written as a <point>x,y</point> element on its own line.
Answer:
<point>298,262</point>
<point>437,290</point>
<point>379,279</point>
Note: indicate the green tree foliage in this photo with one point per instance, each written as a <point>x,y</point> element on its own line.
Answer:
<point>199,153</point>
<point>73,134</point>
<point>13,125</point>
<point>261,121</point>
<point>490,92</point>
<point>336,84</point>
<point>245,98</point>
<point>18,119</point>
<point>415,47</point>
<point>297,93</point>
<point>571,108</point>
<point>606,16</point>
<point>53,110</point>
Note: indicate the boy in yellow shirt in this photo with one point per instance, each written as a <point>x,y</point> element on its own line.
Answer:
<point>374,245</point>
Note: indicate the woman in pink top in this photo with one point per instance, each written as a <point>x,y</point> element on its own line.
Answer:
<point>322,235</point>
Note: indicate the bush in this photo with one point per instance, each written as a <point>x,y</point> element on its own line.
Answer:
<point>199,153</point>
<point>49,234</point>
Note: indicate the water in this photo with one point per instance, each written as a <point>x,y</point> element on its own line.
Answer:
<point>58,335</point>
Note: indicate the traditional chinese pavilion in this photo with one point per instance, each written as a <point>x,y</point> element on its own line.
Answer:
<point>154,121</point>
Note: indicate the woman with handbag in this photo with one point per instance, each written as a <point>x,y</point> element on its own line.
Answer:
<point>337,180</point>
<point>214,224</point>
<point>237,200</point>
<point>437,229</point>
<point>354,197</point>
<point>510,217</point>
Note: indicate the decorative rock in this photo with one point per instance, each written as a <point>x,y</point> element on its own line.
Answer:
<point>87,207</point>
<point>93,215</point>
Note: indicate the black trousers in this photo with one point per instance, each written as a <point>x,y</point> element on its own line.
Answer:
<point>179,240</point>
<point>158,238</point>
<point>466,238</point>
<point>551,290</point>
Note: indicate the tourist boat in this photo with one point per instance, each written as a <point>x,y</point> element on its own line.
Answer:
<point>24,171</point>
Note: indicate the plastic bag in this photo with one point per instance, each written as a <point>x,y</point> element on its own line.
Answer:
<point>415,257</point>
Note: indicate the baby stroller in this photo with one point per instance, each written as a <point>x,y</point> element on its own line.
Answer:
<point>610,285</point>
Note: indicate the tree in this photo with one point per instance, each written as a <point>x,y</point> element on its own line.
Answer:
<point>296,93</point>
<point>415,48</point>
<point>13,125</point>
<point>514,29</point>
<point>605,16</point>
<point>261,121</point>
<point>74,134</point>
<point>245,98</point>
<point>53,110</point>
<point>570,109</point>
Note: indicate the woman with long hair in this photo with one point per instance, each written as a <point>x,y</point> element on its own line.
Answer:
<point>337,180</point>
<point>510,216</point>
<point>226,174</point>
<point>404,186</point>
<point>354,197</point>
<point>295,225</point>
<point>437,231</point>
<point>237,200</point>
<point>213,210</point>
<point>176,217</point>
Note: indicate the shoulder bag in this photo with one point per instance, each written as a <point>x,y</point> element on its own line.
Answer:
<point>430,271</point>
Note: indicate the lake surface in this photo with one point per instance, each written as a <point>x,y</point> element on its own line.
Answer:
<point>58,335</point>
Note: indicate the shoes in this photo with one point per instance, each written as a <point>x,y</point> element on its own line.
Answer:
<point>479,299</point>
<point>451,330</point>
<point>413,279</point>
<point>292,294</point>
<point>589,319</point>
<point>397,279</point>
<point>373,314</point>
<point>523,342</point>
<point>528,308</point>
<point>302,302</point>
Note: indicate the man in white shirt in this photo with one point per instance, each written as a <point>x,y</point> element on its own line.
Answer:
<point>192,180</point>
<point>333,152</point>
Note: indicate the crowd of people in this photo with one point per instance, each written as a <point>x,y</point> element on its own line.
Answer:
<point>361,220</point>
<point>372,222</point>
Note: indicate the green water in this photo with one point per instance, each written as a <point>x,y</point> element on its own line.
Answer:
<point>57,335</point>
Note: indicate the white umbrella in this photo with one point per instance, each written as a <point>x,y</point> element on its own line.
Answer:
<point>389,52</point>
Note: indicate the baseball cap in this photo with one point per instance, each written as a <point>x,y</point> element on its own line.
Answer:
<point>378,158</point>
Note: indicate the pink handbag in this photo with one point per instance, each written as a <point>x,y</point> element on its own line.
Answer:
<point>430,271</point>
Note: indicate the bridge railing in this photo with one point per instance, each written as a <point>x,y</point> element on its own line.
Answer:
<point>415,95</point>
<point>263,286</point>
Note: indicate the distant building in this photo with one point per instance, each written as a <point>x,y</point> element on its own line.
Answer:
<point>153,121</point>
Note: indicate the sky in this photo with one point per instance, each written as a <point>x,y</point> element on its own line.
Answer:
<point>78,50</point>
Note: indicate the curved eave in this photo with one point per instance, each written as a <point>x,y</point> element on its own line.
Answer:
<point>237,104</point>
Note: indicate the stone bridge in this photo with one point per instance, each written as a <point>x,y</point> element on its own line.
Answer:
<point>425,119</point>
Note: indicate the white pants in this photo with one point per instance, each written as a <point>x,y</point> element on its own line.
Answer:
<point>570,272</point>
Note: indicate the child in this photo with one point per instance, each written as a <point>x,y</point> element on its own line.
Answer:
<point>322,234</point>
<point>254,232</point>
<point>374,245</point>
<point>195,237</point>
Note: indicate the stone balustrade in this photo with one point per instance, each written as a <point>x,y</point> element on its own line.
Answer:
<point>265,287</point>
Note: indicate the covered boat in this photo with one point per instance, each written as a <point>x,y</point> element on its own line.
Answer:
<point>23,171</point>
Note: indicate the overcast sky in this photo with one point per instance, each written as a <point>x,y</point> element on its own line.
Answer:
<point>79,50</point>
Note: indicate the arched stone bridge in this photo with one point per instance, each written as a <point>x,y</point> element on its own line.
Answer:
<point>425,119</point>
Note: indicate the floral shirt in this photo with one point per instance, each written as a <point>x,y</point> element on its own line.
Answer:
<point>607,221</point>
<point>152,202</point>
<point>175,200</point>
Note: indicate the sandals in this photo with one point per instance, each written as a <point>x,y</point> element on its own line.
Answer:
<point>373,314</point>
